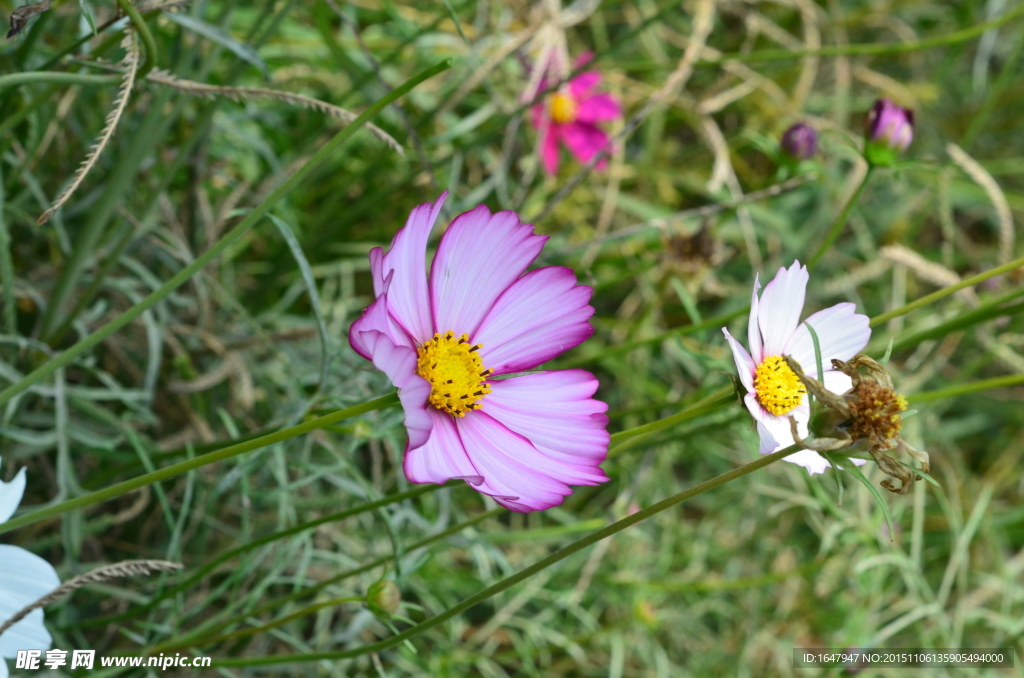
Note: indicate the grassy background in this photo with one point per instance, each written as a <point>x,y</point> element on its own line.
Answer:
<point>726,584</point>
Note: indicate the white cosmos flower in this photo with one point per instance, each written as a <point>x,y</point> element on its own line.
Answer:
<point>773,391</point>
<point>24,579</point>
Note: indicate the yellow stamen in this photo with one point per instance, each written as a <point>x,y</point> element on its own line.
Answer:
<point>563,108</point>
<point>778,388</point>
<point>457,376</point>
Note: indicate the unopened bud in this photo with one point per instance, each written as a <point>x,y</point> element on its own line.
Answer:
<point>800,142</point>
<point>383,598</point>
<point>889,131</point>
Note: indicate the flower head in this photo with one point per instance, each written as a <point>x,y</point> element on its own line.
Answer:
<point>24,579</point>
<point>800,142</point>
<point>446,341</point>
<point>569,116</point>
<point>774,390</point>
<point>889,131</point>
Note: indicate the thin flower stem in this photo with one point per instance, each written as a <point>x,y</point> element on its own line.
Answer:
<point>523,574</point>
<point>626,439</point>
<point>946,291</point>
<point>872,48</point>
<point>205,569</point>
<point>840,222</point>
<point>196,638</point>
<point>68,356</point>
<point>147,38</point>
<point>969,387</point>
<point>194,463</point>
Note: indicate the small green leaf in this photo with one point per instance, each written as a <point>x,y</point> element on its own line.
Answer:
<point>888,352</point>
<point>87,13</point>
<point>221,37</point>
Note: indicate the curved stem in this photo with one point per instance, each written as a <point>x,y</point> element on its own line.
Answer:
<point>147,38</point>
<point>68,356</point>
<point>840,222</point>
<point>523,574</point>
<point>197,462</point>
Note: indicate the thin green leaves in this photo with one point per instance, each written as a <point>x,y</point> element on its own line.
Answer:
<point>231,237</point>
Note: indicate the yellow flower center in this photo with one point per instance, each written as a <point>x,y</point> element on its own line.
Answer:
<point>563,108</point>
<point>777,386</point>
<point>457,376</point>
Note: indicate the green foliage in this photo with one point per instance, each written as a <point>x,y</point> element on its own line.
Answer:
<point>176,376</point>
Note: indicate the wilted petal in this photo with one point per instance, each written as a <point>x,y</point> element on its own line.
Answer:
<point>541,315</point>
<point>480,255</point>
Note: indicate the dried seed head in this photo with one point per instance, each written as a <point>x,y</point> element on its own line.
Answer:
<point>876,413</point>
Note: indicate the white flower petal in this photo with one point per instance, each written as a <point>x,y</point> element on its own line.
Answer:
<point>24,578</point>
<point>781,305</point>
<point>10,496</point>
<point>753,329</point>
<point>842,333</point>
<point>744,363</point>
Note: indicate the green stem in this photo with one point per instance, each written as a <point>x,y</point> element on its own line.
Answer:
<point>194,463</point>
<point>195,638</point>
<point>201,572</point>
<point>56,78</point>
<point>68,356</point>
<point>946,291</point>
<point>147,38</point>
<point>969,387</point>
<point>873,48</point>
<point>840,222</point>
<point>626,439</point>
<point>523,574</point>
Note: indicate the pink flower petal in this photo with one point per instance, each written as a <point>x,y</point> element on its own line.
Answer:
<point>598,107</point>
<point>744,364</point>
<point>442,457</point>
<point>583,140</point>
<point>541,315</point>
<point>582,84</point>
<point>556,412</point>
<point>399,363</point>
<point>377,270</point>
<point>516,474</point>
<point>480,255</point>
<point>407,257</point>
<point>780,307</point>
<point>549,149</point>
<point>376,318</point>
<point>753,329</point>
<point>842,333</point>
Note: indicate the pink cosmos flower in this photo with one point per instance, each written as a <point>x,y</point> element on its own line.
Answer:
<point>570,115</point>
<point>773,391</point>
<point>444,341</point>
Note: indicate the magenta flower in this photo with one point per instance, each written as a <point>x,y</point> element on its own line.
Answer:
<point>774,393</point>
<point>569,116</point>
<point>444,341</point>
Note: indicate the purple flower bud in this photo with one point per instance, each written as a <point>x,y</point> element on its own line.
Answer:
<point>800,141</point>
<point>890,125</point>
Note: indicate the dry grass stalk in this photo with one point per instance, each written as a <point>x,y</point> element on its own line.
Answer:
<point>127,568</point>
<point>926,270</point>
<point>995,194</point>
<point>239,94</point>
<point>131,64</point>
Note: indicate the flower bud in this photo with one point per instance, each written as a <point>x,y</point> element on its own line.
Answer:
<point>800,142</point>
<point>889,131</point>
<point>383,598</point>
